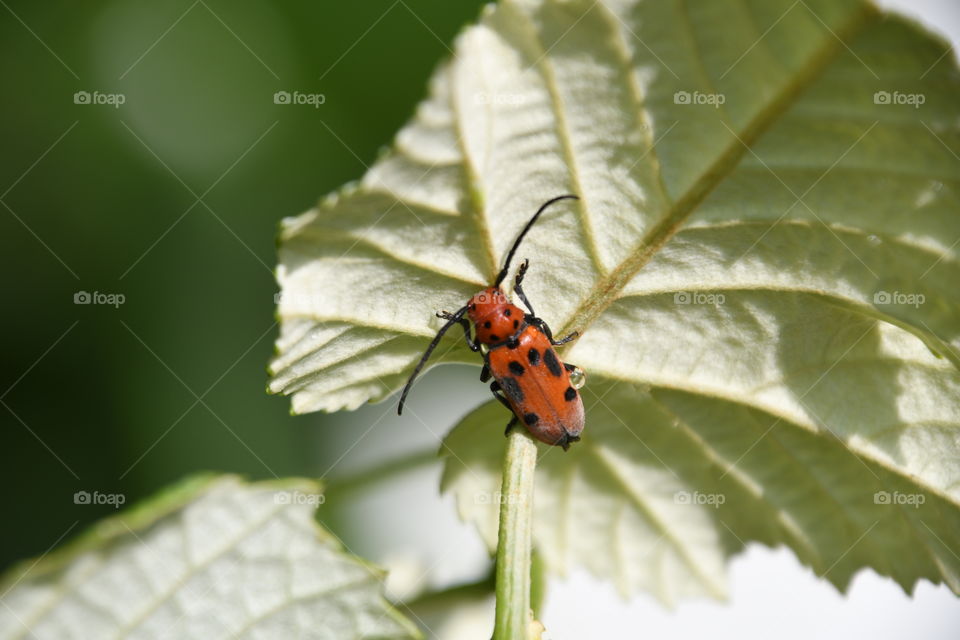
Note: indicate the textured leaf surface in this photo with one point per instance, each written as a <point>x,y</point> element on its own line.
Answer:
<point>212,559</point>
<point>763,264</point>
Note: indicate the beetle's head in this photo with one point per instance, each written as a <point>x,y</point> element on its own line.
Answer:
<point>493,316</point>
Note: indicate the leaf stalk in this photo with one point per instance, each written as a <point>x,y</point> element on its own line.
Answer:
<point>514,620</point>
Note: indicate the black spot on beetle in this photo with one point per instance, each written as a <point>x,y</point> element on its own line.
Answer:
<point>506,312</point>
<point>516,368</point>
<point>516,323</point>
<point>569,394</point>
<point>513,343</point>
<point>512,388</point>
<point>550,359</point>
<point>531,418</point>
<point>533,356</point>
<point>486,325</point>
<point>494,337</point>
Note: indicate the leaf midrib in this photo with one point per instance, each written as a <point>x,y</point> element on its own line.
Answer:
<point>606,289</point>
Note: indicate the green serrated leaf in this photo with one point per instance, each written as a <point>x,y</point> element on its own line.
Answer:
<point>212,558</point>
<point>763,265</point>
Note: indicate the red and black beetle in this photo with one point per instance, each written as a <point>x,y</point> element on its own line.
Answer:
<point>517,349</point>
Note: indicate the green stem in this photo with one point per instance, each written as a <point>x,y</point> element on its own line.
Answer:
<point>538,584</point>
<point>514,539</point>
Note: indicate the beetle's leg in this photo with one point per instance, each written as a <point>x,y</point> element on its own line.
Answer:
<point>495,389</point>
<point>471,343</point>
<point>522,271</point>
<point>539,323</point>
<point>567,440</point>
<point>466,329</point>
<point>519,289</point>
<point>510,424</point>
<point>485,373</point>
<point>544,328</point>
<point>565,340</point>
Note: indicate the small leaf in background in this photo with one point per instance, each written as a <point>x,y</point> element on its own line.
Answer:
<point>763,265</point>
<point>213,558</point>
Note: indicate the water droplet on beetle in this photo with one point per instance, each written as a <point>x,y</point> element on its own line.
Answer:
<point>577,378</point>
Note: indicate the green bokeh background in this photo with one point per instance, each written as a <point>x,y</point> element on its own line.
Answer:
<point>198,80</point>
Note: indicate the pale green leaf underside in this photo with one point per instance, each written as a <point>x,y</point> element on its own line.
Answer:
<point>212,559</point>
<point>785,216</point>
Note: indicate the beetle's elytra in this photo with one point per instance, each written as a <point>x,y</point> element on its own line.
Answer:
<point>517,348</point>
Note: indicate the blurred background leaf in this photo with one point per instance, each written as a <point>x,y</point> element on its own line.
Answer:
<point>210,557</point>
<point>102,398</point>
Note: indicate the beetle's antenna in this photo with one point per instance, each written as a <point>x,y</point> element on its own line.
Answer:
<point>506,267</point>
<point>454,319</point>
